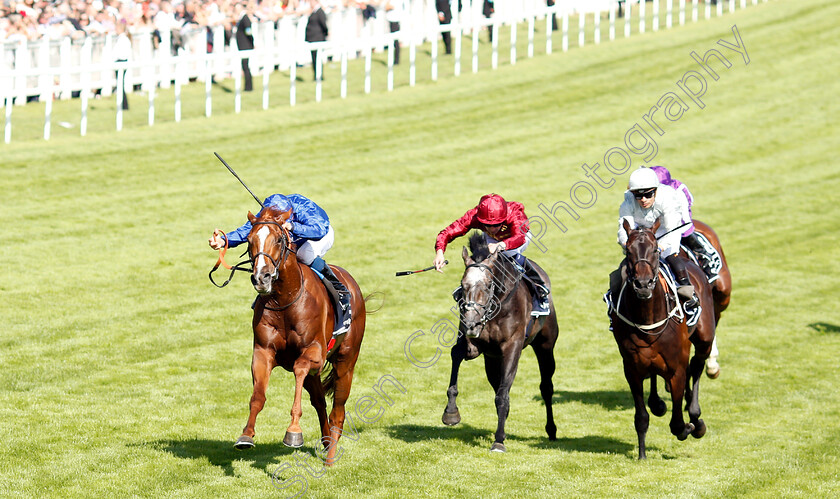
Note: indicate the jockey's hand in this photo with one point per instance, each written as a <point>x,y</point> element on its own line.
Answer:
<point>439,259</point>
<point>216,242</point>
<point>441,17</point>
<point>494,247</point>
<point>287,225</point>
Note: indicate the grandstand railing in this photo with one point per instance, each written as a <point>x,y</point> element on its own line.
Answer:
<point>68,68</point>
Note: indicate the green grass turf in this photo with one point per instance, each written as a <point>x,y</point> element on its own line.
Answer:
<point>125,373</point>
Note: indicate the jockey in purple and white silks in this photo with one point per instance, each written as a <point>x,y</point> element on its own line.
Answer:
<point>645,202</point>
<point>707,254</point>
<point>313,235</point>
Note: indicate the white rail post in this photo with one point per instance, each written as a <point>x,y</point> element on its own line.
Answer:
<point>368,57</point>
<point>708,9</point>
<point>435,55</point>
<point>669,13</point>
<point>597,27</point>
<point>565,22</point>
<point>412,63</point>
<point>458,38</point>
<point>682,12</point>
<point>719,10</point>
<point>513,28</point>
<point>531,21</point>
<point>655,20</point>
<point>390,66</point>
<point>48,91</point>
<point>612,21</point>
<point>44,67</point>
<point>85,76</point>
<point>319,71</point>
<point>7,127</point>
<point>642,17</point>
<point>731,5</point>
<point>165,54</point>
<point>343,72</point>
<point>628,12</point>
<point>120,84</point>
<point>694,8</point>
<point>237,91</point>
<point>549,29</point>
<point>208,87</point>
<point>581,28</point>
<point>23,62</point>
<point>152,91</point>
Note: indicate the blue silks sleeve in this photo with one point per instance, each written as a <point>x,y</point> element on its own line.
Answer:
<point>239,236</point>
<point>309,221</point>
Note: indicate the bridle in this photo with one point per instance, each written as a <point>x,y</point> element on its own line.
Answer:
<point>656,270</point>
<point>284,242</point>
<point>486,310</point>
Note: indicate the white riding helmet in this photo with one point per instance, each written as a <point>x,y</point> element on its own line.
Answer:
<point>643,178</point>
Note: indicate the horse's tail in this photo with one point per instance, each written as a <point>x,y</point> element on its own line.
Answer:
<point>368,297</point>
<point>328,376</point>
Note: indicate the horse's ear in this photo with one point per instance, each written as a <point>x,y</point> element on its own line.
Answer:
<point>656,226</point>
<point>283,216</point>
<point>466,256</point>
<point>251,218</point>
<point>626,226</point>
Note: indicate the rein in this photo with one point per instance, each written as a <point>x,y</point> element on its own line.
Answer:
<point>644,328</point>
<point>221,261</point>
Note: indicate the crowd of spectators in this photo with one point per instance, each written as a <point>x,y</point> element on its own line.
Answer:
<point>57,19</point>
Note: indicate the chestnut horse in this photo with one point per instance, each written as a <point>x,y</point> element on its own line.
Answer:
<point>496,321</point>
<point>654,340</point>
<point>293,324</point>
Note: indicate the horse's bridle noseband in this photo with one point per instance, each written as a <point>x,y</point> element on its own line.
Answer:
<point>283,241</point>
<point>485,307</point>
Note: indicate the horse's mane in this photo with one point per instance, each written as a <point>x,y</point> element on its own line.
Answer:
<point>481,251</point>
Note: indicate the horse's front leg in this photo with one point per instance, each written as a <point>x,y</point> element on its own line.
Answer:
<point>317,398</point>
<point>451,416</point>
<point>678,426</point>
<point>262,362</point>
<point>655,402</point>
<point>641,419</point>
<point>506,372</point>
<point>307,363</point>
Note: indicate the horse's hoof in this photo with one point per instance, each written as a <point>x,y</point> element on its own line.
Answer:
<point>699,429</point>
<point>712,369</point>
<point>497,447</point>
<point>658,407</point>
<point>686,432</point>
<point>451,418</point>
<point>552,432</point>
<point>243,443</point>
<point>293,440</point>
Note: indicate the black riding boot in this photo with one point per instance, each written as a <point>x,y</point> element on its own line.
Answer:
<point>331,282</point>
<point>684,287</point>
<point>706,253</point>
<point>540,290</point>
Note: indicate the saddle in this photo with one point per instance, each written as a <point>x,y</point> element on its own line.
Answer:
<point>339,331</point>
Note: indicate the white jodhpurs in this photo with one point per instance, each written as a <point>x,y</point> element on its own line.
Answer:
<point>311,249</point>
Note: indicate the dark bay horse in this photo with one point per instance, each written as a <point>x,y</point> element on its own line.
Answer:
<point>496,321</point>
<point>293,324</point>
<point>654,340</point>
<point>721,291</point>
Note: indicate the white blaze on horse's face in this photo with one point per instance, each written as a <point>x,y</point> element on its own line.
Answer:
<point>262,261</point>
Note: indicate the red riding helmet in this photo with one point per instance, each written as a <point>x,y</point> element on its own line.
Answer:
<point>492,210</point>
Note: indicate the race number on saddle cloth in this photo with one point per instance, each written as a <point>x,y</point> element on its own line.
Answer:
<point>645,202</point>
<point>313,236</point>
<point>708,257</point>
<point>505,228</point>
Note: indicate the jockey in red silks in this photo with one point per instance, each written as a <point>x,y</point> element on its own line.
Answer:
<point>313,236</point>
<point>505,228</point>
<point>707,254</point>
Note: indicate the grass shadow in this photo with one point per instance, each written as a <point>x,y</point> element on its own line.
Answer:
<point>610,400</point>
<point>824,327</point>
<point>482,437</point>
<point>222,454</point>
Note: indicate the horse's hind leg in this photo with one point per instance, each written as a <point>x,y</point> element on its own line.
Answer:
<point>712,366</point>
<point>313,385</point>
<point>641,420</point>
<point>545,359</point>
<point>692,393</point>
<point>655,402</point>
<point>451,416</point>
<point>262,362</point>
<point>343,381</point>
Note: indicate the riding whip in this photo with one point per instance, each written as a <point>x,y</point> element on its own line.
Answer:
<point>672,230</point>
<point>409,272</point>
<point>239,179</point>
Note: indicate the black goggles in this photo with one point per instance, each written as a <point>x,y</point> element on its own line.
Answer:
<point>644,194</point>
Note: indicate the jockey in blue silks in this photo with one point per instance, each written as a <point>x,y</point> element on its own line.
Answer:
<point>313,235</point>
